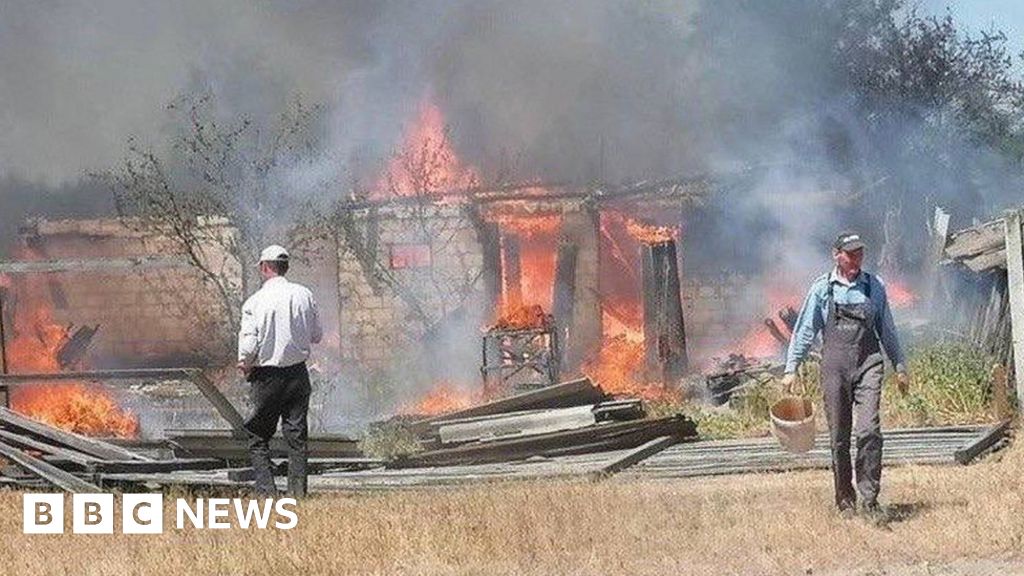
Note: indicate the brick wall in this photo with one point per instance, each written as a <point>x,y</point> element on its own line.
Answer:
<point>147,316</point>
<point>427,262</point>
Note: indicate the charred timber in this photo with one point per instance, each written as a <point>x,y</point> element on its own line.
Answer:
<point>564,299</point>
<point>95,265</point>
<point>665,353</point>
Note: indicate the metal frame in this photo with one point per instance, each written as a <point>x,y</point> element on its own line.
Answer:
<point>520,359</point>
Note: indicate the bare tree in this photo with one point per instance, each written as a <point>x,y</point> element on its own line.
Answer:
<point>423,179</point>
<point>221,190</point>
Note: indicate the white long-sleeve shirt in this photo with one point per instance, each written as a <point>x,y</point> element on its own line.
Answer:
<point>279,324</point>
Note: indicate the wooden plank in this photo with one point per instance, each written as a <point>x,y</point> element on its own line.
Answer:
<point>1015,287</point>
<point>565,394</point>
<point>223,444</point>
<point>90,446</point>
<point>973,241</point>
<point>603,437</point>
<point>564,298</point>
<point>150,467</point>
<point>314,466</point>
<point>94,265</point>
<point>221,404</point>
<point>636,455</point>
<point>983,442</point>
<point>50,473</point>
<point>511,271</point>
<point>539,422</point>
<point>97,375</point>
<point>32,444</point>
<point>986,261</point>
<point>665,356</point>
<point>204,479</point>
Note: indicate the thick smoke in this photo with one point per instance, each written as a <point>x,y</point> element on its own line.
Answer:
<point>748,91</point>
<point>568,91</point>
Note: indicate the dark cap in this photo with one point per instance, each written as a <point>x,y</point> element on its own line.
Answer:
<point>848,242</point>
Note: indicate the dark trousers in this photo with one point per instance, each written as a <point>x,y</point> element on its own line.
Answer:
<point>279,394</point>
<point>852,396</point>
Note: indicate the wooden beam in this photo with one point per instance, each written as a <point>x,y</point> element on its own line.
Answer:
<point>95,265</point>
<point>564,298</point>
<point>490,246</point>
<point>638,454</point>
<point>49,472</point>
<point>150,467</point>
<point>665,356</point>
<point>986,237</point>
<point>565,394</point>
<point>511,425</point>
<point>223,406</point>
<point>511,271</point>
<point>603,437</point>
<point>582,227</point>
<point>314,466</point>
<point>50,450</point>
<point>982,442</point>
<point>1015,286</point>
<point>986,261</point>
<point>90,446</point>
<point>97,375</point>
<point>225,444</point>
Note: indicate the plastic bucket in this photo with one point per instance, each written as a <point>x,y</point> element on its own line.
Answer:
<point>793,423</point>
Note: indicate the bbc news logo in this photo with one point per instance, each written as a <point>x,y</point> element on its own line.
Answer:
<point>144,513</point>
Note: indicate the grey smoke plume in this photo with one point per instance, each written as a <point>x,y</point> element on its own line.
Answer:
<point>576,90</point>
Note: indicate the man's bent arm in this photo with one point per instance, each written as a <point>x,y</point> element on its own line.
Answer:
<point>807,326</point>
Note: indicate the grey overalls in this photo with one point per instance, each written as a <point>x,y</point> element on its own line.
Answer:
<point>851,377</point>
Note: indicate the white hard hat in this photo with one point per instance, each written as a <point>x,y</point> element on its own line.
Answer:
<point>274,253</point>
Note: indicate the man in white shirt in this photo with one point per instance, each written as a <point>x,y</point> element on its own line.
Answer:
<point>279,325</point>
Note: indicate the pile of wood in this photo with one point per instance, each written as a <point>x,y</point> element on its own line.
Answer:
<point>574,417</point>
<point>39,455</point>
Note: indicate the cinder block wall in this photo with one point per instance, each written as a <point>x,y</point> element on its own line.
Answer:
<point>147,317</point>
<point>433,256</point>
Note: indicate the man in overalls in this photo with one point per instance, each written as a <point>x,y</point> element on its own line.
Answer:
<point>850,309</point>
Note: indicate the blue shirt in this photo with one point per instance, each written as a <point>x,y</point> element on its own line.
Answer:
<point>814,313</point>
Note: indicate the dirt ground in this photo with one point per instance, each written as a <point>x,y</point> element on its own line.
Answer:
<point>946,520</point>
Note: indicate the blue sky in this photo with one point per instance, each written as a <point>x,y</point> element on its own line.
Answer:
<point>1006,15</point>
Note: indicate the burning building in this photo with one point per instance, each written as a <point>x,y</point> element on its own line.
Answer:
<point>429,277</point>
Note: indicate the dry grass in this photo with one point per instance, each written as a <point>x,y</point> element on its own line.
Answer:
<point>771,524</point>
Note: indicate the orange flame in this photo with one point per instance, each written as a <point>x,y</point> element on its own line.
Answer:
<point>649,234</point>
<point>618,369</point>
<point>442,399</point>
<point>521,317</point>
<point>900,295</point>
<point>527,225</point>
<point>76,408</point>
<point>33,348</point>
<point>426,163</point>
